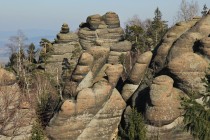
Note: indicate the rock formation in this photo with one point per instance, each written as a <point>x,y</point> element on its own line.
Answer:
<point>184,56</point>
<point>165,104</point>
<point>100,67</point>
<point>91,99</point>
<point>137,74</point>
<point>100,31</point>
<point>189,70</point>
<point>159,61</point>
<point>66,49</point>
<point>97,97</point>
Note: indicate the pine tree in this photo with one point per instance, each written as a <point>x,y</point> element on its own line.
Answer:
<point>135,32</point>
<point>205,10</point>
<point>158,27</point>
<point>197,116</point>
<point>135,129</point>
<point>46,51</point>
<point>31,53</point>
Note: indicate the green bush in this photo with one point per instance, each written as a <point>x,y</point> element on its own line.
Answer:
<point>136,129</point>
<point>37,132</point>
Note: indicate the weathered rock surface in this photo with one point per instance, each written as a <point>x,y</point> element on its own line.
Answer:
<point>6,78</point>
<point>174,34</point>
<point>66,51</point>
<point>189,70</point>
<point>205,47</point>
<point>84,119</point>
<point>172,131</point>
<point>139,69</point>
<point>114,72</point>
<point>119,52</point>
<point>197,32</point>
<point>65,36</point>
<point>165,102</point>
<point>128,91</point>
<point>101,31</point>
<point>137,74</point>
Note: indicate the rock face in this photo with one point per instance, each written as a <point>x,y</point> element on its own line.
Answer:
<point>6,78</point>
<point>66,51</point>
<point>165,101</point>
<point>159,61</point>
<point>205,47</point>
<point>189,70</point>
<point>137,74</point>
<point>16,117</point>
<point>139,69</point>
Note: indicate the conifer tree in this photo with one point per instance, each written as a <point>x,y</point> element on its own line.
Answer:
<point>135,32</point>
<point>46,51</point>
<point>31,53</point>
<point>137,129</point>
<point>197,115</point>
<point>158,27</point>
<point>205,10</point>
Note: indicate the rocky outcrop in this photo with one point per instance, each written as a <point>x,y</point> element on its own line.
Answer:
<point>178,50</point>
<point>91,99</point>
<point>66,51</point>
<point>96,91</point>
<point>139,69</point>
<point>172,131</point>
<point>90,96</point>
<point>165,104</point>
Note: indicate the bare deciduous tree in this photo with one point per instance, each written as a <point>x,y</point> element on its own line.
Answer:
<point>135,20</point>
<point>17,42</point>
<point>187,11</point>
<point>12,118</point>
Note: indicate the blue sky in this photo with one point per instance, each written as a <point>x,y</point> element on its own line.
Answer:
<point>43,18</point>
<point>50,14</point>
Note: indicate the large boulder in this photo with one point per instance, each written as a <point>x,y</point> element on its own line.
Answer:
<point>6,77</point>
<point>175,38</point>
<point>101,31</point>
<point>139,69</point>
<point>165,104</point>
<point>189,41</point>
<point>111,19</point>
<point>189,70</point>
